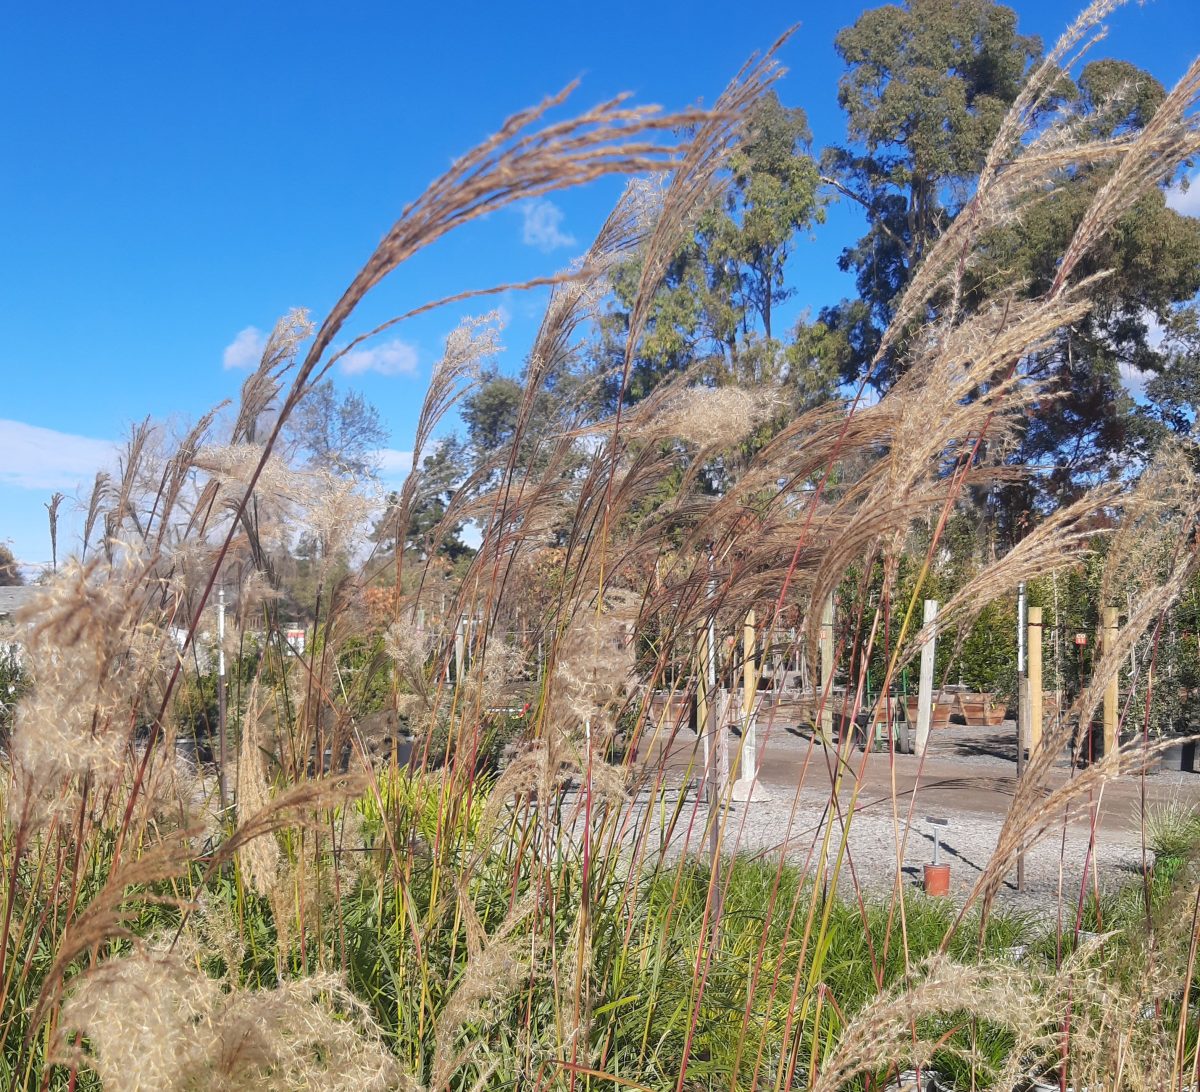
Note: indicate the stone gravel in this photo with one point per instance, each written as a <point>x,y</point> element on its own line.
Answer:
<point>968,778</point>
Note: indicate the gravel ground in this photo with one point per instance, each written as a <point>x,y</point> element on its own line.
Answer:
<point>968,777</point>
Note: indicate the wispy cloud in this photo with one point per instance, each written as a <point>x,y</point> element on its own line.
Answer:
<point>393,357</point>
<point>393,463</point>
<point>32,457</point>
<point>1186,201</point>
<point>542,226</point>
<point>245,350</point>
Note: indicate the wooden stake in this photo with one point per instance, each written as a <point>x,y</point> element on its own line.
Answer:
<point>746,788</point>
<point>1109,640</point>
<point>925,692</point>
<point>749,675</point>
<point>825,699</point>
<point>1035,679</point>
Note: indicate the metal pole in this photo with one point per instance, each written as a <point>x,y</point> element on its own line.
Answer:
<point>222,743</point>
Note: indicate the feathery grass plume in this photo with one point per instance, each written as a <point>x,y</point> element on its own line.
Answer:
<point>710,417</point>
<point>295,806</point>
<point>1059,540</point>
<point>52,511</point>
<point>174,485</point>
<point>154,1020</point>
<point>111,912</point>
<point>262,387</point>
<point>1015,168</point>
<point>883,1036</point>
<point>694,185</point>
<point>498,962</point>
<point>517,163</point>
<point>1154,154</point>
<point>1155,516</point>
<point>93,652</point>
<point>259,858</point>
<point>592,668</point>
<point>525,506</point>
<point>469,345</point>
<point>100,491</point>
<point>131,466</point>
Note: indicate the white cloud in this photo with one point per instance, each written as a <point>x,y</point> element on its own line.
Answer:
<point>393,357</point>
<point>1187,201</point>
<point>393,463</point>
<point>542,226</point>
<point>43,458</point>
<point>245,350</point>
<point>1134,380</point>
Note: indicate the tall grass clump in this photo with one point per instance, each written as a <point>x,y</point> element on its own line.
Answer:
<point>561,910</point>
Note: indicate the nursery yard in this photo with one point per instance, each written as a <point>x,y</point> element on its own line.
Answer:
<point>968,776</point>
<point>327,764</point>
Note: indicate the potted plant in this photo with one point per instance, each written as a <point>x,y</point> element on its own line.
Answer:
<point>988,665</point>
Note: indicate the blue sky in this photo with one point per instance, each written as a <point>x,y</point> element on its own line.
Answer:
<point>177,176</point>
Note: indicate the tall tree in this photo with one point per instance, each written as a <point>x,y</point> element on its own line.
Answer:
<point>1099,369</point>
<point>717,305</point>
<point>337,433</point>
<point>440,475</point>
<point>926,86</point>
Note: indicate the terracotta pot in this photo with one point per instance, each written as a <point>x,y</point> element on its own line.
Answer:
<point>670,712</point>
<point>937,879</point>
<point>939,716</point>
<point>969,706</point>
<point>981,709</point>
<point>995,714</point>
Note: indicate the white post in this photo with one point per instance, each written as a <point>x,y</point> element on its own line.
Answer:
<point>460,648</point>
<point>925,693</point>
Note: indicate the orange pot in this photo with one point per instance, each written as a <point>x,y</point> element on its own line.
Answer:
<point>937,879</point>
<point>939,715</point>
<point>995,714</point>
